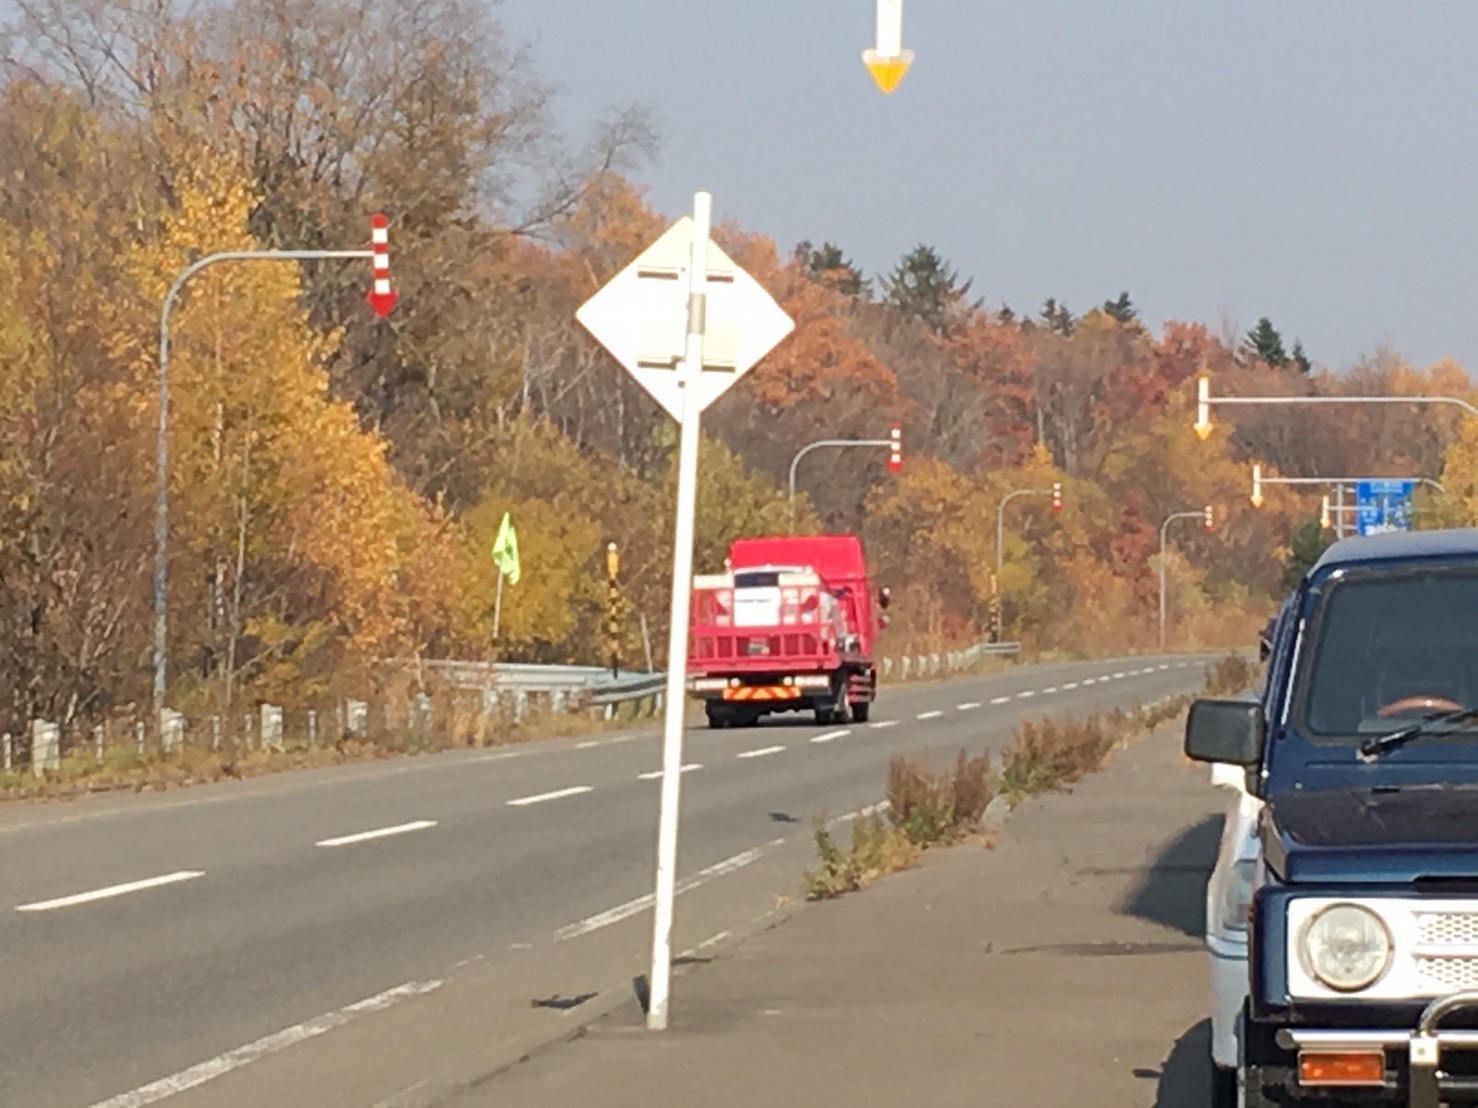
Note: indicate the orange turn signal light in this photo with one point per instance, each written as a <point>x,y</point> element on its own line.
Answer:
<point>1342,1067</point>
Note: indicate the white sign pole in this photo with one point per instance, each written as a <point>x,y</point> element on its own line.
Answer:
<point>689,371</point>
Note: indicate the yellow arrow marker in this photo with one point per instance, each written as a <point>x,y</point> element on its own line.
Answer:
<point>1203,408</point>
<point>887,60</point>
<point>887,72</point>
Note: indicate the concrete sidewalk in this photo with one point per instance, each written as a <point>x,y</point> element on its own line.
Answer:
<point>1063,966</point>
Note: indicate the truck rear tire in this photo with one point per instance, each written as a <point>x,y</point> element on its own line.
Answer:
<point>838,711</point>
<point>718,717</point>
<point>861,711</point>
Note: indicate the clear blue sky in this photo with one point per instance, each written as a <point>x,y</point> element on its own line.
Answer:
<point>1315,161</point>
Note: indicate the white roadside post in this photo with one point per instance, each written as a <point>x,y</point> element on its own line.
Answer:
<point>682,305</point>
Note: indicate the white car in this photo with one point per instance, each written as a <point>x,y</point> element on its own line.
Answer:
<point>1228,895</point>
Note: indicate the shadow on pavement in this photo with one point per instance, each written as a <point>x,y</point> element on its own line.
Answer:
<point>1172,891</point>
<point>1185,1079</point>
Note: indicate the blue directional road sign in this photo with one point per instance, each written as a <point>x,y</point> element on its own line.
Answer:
<point>1382,506</point>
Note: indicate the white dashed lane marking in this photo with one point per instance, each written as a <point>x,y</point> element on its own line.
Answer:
<point>111,891</point>
<point>381,833</point>
<point>761,753</point>
<point>1001,700</point>
<point>968,706</point>
<point>831,736</point>
<point>558,794</point>
<point>656,773</point>
<point>930,715</point>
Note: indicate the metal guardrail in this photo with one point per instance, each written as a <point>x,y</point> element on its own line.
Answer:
<point>528,677</point>
<point>602,689</point>
<point>593,685</point>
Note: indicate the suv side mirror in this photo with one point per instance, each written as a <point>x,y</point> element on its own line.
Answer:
<point>1230,731</point>
<point>885,597</point>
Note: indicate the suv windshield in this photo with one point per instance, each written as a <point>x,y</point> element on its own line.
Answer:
<point>1390,649</point>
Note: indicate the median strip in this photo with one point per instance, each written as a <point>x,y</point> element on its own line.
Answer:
<point>111,891</point>
<point>558,794</point>
<point>382,833</point>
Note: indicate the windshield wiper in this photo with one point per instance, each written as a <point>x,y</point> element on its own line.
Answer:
<point>1439,724</point>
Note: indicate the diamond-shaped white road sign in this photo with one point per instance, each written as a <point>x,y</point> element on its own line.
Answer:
<point>641,317</point>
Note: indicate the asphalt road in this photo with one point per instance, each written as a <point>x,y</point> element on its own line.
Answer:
<point>143,936</point>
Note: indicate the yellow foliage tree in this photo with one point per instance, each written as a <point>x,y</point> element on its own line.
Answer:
<point>281,503</point>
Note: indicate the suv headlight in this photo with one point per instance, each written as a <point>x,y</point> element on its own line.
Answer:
<point>1346,947</point>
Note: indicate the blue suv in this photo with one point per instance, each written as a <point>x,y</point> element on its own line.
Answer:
<point>1360,907</point>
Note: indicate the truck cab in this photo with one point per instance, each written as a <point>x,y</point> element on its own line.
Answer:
<point>1352,880</point>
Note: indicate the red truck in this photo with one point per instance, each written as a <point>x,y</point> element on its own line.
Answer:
<point>788,627</point>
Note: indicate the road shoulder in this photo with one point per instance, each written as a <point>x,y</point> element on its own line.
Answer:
<point>1062,965</point>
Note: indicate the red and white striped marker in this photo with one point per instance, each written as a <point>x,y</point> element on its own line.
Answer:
<point>382,296</point>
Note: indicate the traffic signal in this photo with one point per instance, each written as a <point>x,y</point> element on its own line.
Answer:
<point>895,448</point>
<point>1057,496</point>
<point>1257,486</point>
<point>1210,519</point>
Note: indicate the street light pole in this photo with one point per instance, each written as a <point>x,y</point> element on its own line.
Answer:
<point>1001,544</point>
<point>161,490</point>
<point>1163,528</point>
<point>838,443</point>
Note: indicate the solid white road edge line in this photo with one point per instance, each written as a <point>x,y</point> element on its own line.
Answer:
<point>653,775</point>
<point>558,794</point>
<point>760,753</point>
<point>632,907</point>
<point>382,833</point>
<point>252,1052</point>
<point>831,736</point>
<point>111,891</point>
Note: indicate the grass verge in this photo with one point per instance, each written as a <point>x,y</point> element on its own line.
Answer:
<point>927,808</point>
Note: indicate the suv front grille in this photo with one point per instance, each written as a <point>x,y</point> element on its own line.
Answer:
<point>1448,974</point>
<point>1448,929</point>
